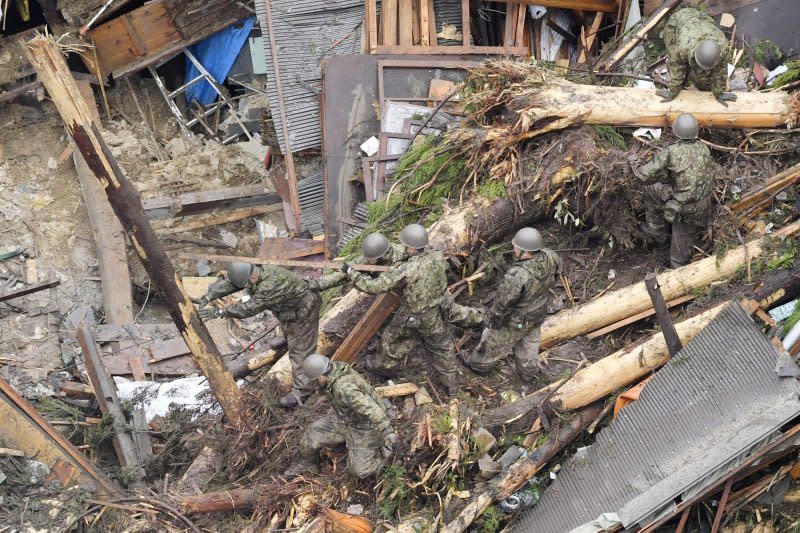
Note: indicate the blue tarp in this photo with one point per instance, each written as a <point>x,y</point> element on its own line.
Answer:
<point>217,54</point>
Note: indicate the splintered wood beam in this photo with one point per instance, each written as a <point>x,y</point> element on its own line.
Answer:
<point>45,56</point>
<point>106,394</point>
<point>639,35</point>
<point>38,438</point>
<point>195,203</point>
<point>757,201</point>
<point>381,309</point>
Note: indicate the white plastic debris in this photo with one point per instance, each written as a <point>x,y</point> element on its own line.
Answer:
<point>370,146</point>
<point>537,12</point>
<point>648,133</point>
<point>780,69</point>
<point>644,84</point>
<point>159,396</point>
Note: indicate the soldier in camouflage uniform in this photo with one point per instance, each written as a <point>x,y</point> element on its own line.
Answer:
<point>682,180</point>
<point>519,308</point>
<point>697,49</point>
<point>293,300</point>
<point>359,421</point>
<point>422,283</point>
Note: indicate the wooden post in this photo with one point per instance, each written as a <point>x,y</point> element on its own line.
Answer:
<point>662,314</point>
<point>106,394</point>
<point>382,308</point>
<point>45,56</point>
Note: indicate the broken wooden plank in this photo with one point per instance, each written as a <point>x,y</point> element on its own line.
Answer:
<point>46,57</point>
<point>640,34</point>
<point>590,37</point>
<point>637,317</point>
<point>109,237</point>
<point>215,219</point>
<point>400,389</point>
<point>757,201</point>
<point>195,203</point>
<point>23,427</point>
<point>662,314</point>
<point>29,290</point>
<point>77,390</point>
<point>389,21</point>
<point>288,263</point>
<point>106,394</point>
<point>10,452</point>
<point>381,309</point>
<point>290,248</point>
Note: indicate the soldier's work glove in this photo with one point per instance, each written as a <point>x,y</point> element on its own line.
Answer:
<point>202,301</point>
<point>390,440</point>
<point>207,313</point>
<point>726,97</point>
<point>346,268</point>
<point>666,95</point>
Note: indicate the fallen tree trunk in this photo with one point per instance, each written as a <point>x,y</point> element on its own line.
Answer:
<point>778,287</point>
<point>601,378</point>
<point>522,470</point>
<point>621,304</point>
<point>45,56</point>
<point>536,101</point>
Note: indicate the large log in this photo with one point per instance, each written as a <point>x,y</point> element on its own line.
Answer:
<point>522,470</point>
<point>633,299</point>
<point>45,56</point>
<point>214,502</point>
<point>601,378</point>
<point>535,101</point>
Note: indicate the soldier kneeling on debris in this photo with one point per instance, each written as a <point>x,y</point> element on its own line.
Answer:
<point>682,180</point>
<point>696,47</point>
<point>359,421</point>
<point>519,308</point>
<point>293,300</point>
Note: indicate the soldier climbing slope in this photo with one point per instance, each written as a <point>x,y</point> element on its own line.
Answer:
<point>422,284</point>
<point>293,300</point>
<point>519,308</point>
<point>696,48</point>
<point>682,180</point>
<point>359,421</point>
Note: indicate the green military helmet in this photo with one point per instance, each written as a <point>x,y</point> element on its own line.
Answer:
<point>528,240</point>
<point>239,273</point>
<point>707,54</point>
<point>414,236</point>
<point>316,365</point>
<point>375,246</point>
<point>685,127</point>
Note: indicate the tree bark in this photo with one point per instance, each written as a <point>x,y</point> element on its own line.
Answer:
<point>213,502</point>
<point>45,56</point>
<point>558,103</point>
<point>634,299</point>
<point>522,470</point>
<point>601,378</point>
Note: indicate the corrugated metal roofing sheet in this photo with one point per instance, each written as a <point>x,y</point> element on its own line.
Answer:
<point>716,401</point>
<point>305,32</point>
<point>311,192</point>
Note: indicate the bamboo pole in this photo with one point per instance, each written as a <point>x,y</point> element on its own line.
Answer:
<point>45,56</point>
<point>633,299</point>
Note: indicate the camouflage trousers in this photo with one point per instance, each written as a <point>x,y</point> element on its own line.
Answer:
<point>463,316</point>
<point>302,330</point>
<point>404,334</point>
<point>364,456</point>
<point>497,344</point>
<point>688,220</point>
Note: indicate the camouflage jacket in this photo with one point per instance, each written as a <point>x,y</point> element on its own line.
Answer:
<point>687,166</point>
<point>522,293</point>
<point>421,278</point>
<point>395,254</point>
<point>355,400</point>
<point>278,290</point>
<point>684,30</point>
